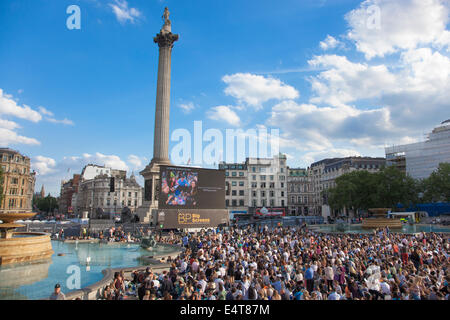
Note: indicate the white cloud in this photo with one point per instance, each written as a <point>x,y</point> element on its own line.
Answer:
<point>136,162</point>
<point>416,92</point>
<point>45,112</point>
<point>9,107</point>
<point>8,137</point>
<point>187,107</point>
<point>124,13</point>
<point>111,161</point>
<point>345,81</point>
<point>65,121</point>
<point>381,27</point>
<point>224,113</point>
<point>330,43</point>
<point>312,157</point>
<point>310,128</point>
<point>10,125</point>
<point>254,90</point>
<point>43,165</point>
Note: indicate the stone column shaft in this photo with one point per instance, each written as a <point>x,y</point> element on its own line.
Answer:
<point>165,40</point>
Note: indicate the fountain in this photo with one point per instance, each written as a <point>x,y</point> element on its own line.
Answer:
<point>380,220</point>
<point>16,247</point>
<point>148,243</point>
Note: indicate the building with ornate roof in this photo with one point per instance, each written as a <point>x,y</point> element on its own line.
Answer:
<point>18,182</point>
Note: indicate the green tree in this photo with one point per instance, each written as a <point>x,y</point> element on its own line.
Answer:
<point>394,187</point>
<point>361,190</point>
<point>47,204</point>
<point>436,188</point>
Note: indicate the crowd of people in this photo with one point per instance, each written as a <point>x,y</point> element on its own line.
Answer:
<point>294,263</point>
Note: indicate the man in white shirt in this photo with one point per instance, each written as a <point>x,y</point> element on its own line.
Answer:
<point>385,288</point>
<point>203,283</point>
<point>334,296</point>
<point>194,266</point>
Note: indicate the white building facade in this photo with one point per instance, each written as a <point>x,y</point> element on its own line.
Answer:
<point>300,192</point>
<point>256,183</point>
<point>420,159</point>
<point>95,193</point>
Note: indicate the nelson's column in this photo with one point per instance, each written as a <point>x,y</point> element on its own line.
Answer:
<point>165,40</point>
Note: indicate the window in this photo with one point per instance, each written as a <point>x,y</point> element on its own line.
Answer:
<point>241,203</point>
<point>241,183</point>
<point>253,169</point>
<point>129,194</point>
<point>282,203</point>
<point>254,185</point>
<point>263,185</point>
<point>241,174</point>
<point>227,174</point>
<point>272,194</point>
<point>282,185</point>
<point>234,174</point>
<point>254,203</point>
<point>234,183</point>
<point>254,194</point>
<point>241,192</point>
<point>227,203</point>
<point>272,185</point>
<point>233,193</point>
<point>254,177</point>
<point>272,203</point>
<point>234,203</point>
<point>263,202</point>
<point>129,203</point>
<point>263,178</point>
<point>263,194</point>
<point>271,178</point>
<point>282,193</point>
<point>135,194</point>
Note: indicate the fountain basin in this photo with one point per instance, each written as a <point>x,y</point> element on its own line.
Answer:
<point>25,247</point>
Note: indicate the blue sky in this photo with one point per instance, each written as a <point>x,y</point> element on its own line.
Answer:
<point>337,78</point>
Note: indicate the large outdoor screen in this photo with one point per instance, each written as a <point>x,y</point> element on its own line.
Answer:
<point>191,188</point>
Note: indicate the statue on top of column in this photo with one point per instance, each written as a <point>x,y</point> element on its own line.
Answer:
<point>167,23</point>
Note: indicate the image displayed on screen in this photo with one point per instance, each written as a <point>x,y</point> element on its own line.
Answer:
<point>179,188</point>
<point>191,188</point>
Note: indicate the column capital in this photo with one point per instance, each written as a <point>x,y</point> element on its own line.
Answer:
<point>166,40</point>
